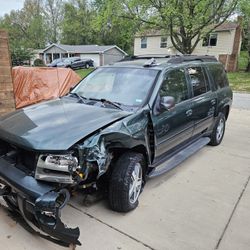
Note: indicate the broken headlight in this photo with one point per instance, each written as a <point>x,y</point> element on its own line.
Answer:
<point>56,168</point>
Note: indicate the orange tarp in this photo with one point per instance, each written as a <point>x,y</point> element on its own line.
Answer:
<point>33,84</point>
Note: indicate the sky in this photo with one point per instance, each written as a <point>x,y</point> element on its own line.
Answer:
<point>7,5</point>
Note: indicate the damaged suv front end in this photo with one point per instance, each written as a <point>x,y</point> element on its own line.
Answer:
<point>51,149</point>
<point>38,202</point>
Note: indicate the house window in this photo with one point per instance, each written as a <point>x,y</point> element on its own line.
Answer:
<point>164,42</point>
<point>144,42</point>
<point>210,40</point>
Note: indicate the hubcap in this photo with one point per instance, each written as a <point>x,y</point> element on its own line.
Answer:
<point>220,130</point>
<point>135,183</point>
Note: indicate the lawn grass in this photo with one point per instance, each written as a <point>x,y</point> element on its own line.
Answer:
<point>83,72</point>
<point>239,81</point>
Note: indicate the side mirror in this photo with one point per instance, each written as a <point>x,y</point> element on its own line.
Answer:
<point>167,102</point>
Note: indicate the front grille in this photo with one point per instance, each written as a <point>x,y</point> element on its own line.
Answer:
<point>21,158</point>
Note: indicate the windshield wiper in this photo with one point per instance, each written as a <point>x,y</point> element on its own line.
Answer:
<point>82,98</point>
<point>105,101</point>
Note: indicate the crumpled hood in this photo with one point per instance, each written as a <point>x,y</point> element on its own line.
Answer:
<point>55,125</point>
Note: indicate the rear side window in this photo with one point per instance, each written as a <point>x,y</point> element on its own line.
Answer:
<point>218,74</point>
<point>198,80</point>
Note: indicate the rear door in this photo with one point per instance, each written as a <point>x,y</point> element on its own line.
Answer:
<point>172,127</point>
<point>204,100</point>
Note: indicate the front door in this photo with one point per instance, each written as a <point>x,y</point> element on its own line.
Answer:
<point>174,126</point>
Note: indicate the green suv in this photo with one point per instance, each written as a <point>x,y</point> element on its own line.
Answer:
<point>122,124</point>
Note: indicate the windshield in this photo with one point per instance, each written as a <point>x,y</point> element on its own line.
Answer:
<point>127,86</point>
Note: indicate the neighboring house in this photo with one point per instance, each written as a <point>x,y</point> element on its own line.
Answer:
<point>101,55</point>
<point>224,43</point>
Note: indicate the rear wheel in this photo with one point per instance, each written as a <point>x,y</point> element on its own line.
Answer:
<point>219,130</point>
<point>87,66</point>
<point>126,182</point>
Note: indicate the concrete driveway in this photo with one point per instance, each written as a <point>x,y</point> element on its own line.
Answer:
<point>202,204</point>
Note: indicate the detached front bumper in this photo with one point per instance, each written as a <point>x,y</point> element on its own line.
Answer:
<point>39,203</point>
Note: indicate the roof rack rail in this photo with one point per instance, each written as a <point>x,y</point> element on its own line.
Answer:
<point>131,58</point>
<point>188,58</point>
<point>172,58</point>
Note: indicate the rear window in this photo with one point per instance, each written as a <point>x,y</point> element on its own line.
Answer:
<point>218,74</point>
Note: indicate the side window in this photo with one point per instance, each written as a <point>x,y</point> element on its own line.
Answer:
<point>199,80</point>
<point>219,75</point>
<point>175,85</point>
<point>144,42</point>
<point>210,40</point>
<point>164,40</point>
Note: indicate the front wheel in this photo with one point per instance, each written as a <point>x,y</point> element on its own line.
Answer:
<point>87,66</point>
<point>126,182</point>
<point>219,130</point>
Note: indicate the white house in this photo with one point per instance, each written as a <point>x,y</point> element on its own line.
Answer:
<point>224,43</point>
<point>101,55</point>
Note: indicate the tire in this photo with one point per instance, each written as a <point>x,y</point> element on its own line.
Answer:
<point>218,131</point>
<point>126,182</point>
<point>86,65</point>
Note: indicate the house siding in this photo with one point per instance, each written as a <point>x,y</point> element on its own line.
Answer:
<point>153,46</point>
<point>112,55</point>
<point>225,42</point>
<point>227,48</point>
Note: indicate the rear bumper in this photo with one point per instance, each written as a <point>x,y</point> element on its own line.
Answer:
<point>38,202</point>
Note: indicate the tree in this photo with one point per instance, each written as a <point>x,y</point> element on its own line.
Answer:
<point>244,8</point>
<point>26,31</point>
<point>30,22</point>
<point>26,26</point>
<point>53,16</point>
<point>77,25</point>
<point>113,29</point>
<point>186,21</point>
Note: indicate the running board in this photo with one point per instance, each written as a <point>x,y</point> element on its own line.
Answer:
<point>179,157</point>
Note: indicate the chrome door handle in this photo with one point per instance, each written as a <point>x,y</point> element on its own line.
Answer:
<point>189,112</point>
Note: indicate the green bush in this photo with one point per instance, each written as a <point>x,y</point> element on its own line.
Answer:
<point>243,61</point>
<point>39,63</point>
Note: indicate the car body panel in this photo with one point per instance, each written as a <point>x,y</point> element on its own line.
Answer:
<point>55,125</point>
<point>55,62</point>
<point>34,199</point>
<point>76,63</point>
<point>172,127</point>
<point>94,133</point>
